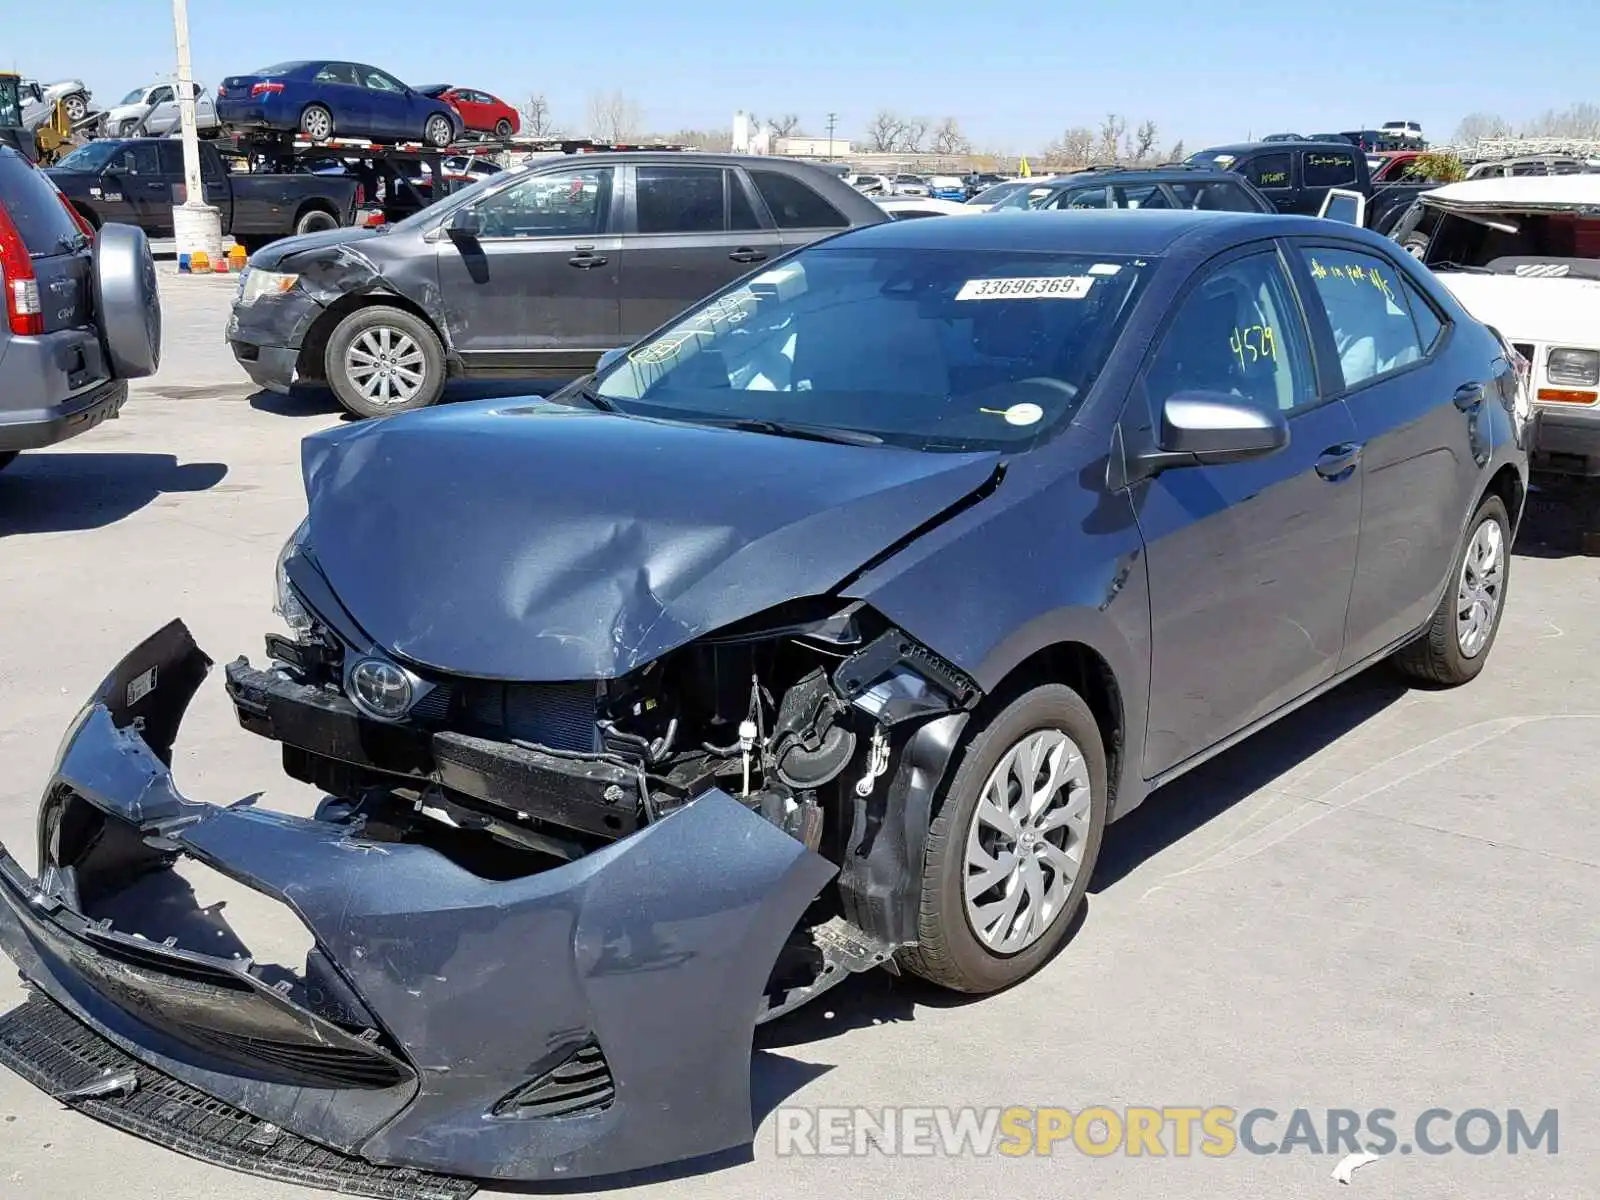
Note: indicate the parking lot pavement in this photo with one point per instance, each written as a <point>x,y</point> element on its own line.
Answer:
<point>1387,901</point>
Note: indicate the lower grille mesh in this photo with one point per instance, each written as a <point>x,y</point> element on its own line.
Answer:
<point>60,1055</point>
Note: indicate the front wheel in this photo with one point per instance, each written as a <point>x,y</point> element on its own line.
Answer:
<point>383,360</point>
<point>316,123</point>
<point>1457,641</point>
<point>77,107</point>
<point>1010,852</point>
<point>502,129</point>
<point>438,131</point>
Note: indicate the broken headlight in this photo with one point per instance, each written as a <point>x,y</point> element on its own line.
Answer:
<point>287,603</point>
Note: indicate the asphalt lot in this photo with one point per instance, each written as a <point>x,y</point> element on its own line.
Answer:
<point>1388,901</point>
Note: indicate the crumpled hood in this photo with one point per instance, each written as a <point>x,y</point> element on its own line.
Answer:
<point>274,253</point>
<point>1552,311</point>
<point>534,541</point>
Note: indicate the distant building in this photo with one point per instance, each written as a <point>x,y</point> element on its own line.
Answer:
<point>812,147</point>
<point>750,138</point>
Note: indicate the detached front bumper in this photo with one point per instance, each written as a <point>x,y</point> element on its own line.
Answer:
<point>266,337</point>
<point>584,1020</point>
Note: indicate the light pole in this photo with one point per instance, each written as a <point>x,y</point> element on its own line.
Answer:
<point>195,224</point>
<point>833,120</point>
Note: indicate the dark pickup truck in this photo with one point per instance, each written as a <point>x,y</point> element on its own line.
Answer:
<point>136,181</point>
<point>1297,176</point>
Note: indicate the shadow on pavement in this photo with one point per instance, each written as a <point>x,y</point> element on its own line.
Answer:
<point>1561,519</point>
<point>1179,809</point>
<point>52,493</point>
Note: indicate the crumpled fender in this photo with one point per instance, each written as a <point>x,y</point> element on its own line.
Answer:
<point>657,947</point>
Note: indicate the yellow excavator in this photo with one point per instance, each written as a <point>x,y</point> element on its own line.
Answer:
<point>47,143</point>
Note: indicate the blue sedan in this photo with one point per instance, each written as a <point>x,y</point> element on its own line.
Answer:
<point>324,99</point>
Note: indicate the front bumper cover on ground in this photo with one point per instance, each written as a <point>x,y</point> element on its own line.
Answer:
<point>590,1019</point>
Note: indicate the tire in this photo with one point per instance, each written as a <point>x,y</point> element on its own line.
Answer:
<point>413,345</point>
<point>1415,244</point>
<point>315,221</point>
<point>77,107</point>
<point>7,457</point>
<point>950,951</point>
<point>127,300</point>
<point>438,131</point>
<point>1445,654</point>
<point>316,122</point>
<point>502,129</point>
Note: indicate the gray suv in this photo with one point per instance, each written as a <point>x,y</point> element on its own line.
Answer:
<point>533,273</point>
<point>82,315</point>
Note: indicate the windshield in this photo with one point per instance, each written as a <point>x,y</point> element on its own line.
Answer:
<point>997,193</point>
<point>929,349</point>
<point>90,156</point>
<point>1027,197</point>
<point>133,97</point>
<point>1208,158</point>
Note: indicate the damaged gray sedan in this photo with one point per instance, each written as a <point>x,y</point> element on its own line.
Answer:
<point>823,631</point>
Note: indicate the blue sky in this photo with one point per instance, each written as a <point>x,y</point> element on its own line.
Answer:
<point>1015,74</point>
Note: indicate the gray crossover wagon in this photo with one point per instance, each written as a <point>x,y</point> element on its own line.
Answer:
<point>825,629</point>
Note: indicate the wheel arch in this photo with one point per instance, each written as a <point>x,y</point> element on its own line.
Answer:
<point>313,204</point>
<point>1508,484</point>
<point>310,362</point>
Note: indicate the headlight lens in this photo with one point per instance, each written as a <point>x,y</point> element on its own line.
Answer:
<point>257,283</point>
<point>381,688</point>
<point>1579,367</point>
<point>287,603</point>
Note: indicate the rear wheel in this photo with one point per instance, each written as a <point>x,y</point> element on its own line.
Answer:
<point>502,129</point>
<point>77,107</point>
<point>316,221</point>
<point>1010,853</point>
<point>1458,639</point>
<point>438,131</point>
<point>316,123</point>
<point>383,360</point>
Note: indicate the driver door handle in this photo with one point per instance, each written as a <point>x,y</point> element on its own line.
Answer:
<point>583,259</point>
<point>1338,463</point>
<point>747,254</point>
<point>1468,396</point>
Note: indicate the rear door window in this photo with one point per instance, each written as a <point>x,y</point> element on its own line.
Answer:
<point>1268,171</point>
<point>1214,197</point>
<point>1329,168</point>
<point>35,209</point>
<point>1368,310</point>
<point>794,205</point>
<point>680,200</point>
<point>339,73</point>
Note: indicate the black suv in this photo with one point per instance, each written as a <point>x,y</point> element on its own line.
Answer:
<point>82,315</point>
<point>534,273</point>
<point>1169,186</point>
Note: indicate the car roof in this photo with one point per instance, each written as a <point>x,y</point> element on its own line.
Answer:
<point>1165,173</point>
<point>1519,190</point>
<point>1279,147</point>
<point>1150,232</point>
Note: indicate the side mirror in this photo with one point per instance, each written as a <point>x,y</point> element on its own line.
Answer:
<point>465,223</point>
<point>609,358</point>
<point>1200,428</point>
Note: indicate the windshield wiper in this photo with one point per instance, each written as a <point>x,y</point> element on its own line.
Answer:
<point>814,433</point>
<point>593,398</point>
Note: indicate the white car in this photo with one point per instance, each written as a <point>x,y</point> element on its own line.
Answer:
<point>908,185</point>
<point>869,185</point>
<point>902,208</point>
<point>1403,131</point>
<point>39,101</point>
<point>158,101</point>
<point>1523,255</point>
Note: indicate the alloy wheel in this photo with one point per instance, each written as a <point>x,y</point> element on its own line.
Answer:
<point>1026,842</point>
<point>386,365</point>
<point>1478,594</point>
<point>317,124</point>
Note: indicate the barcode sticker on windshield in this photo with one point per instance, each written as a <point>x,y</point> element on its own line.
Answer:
<point>1039,287</point>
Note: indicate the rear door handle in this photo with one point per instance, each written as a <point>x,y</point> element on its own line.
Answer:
<point>584,259</point>
<point>1468,396</point>
<point>1337,463</point>
<point>747,254</point>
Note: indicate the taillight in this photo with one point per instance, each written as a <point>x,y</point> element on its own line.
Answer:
<point>222,92</point>
<point>265,89</point>
<point>23,310</point>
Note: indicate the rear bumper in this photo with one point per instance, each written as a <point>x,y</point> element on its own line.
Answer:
<point>1566,441</point>
<point>30,429</point>
<point>583,1020</point>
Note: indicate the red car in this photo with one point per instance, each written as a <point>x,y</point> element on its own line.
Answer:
<point>480,112</point>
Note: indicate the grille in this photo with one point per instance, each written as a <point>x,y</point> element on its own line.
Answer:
<point>60,1055</point>
<point>558,715</point>
<point>582,1084</point>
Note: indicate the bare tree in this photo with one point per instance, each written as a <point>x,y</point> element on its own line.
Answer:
<point>949,140</point>
<point>885,131</point>
<point>1481,125</point>
<point>1176,154</point>
<point>1144,143</point>
<point>1111,131</point>
<point>713,141</point>
<point>536,120</point>
<point>614,117</point>
<point>1579,121</point>
<point>1072,149</point>
<point>913,132</point>
<point>785,126</point>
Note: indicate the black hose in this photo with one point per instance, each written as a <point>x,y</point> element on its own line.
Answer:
<point>662,746</point>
